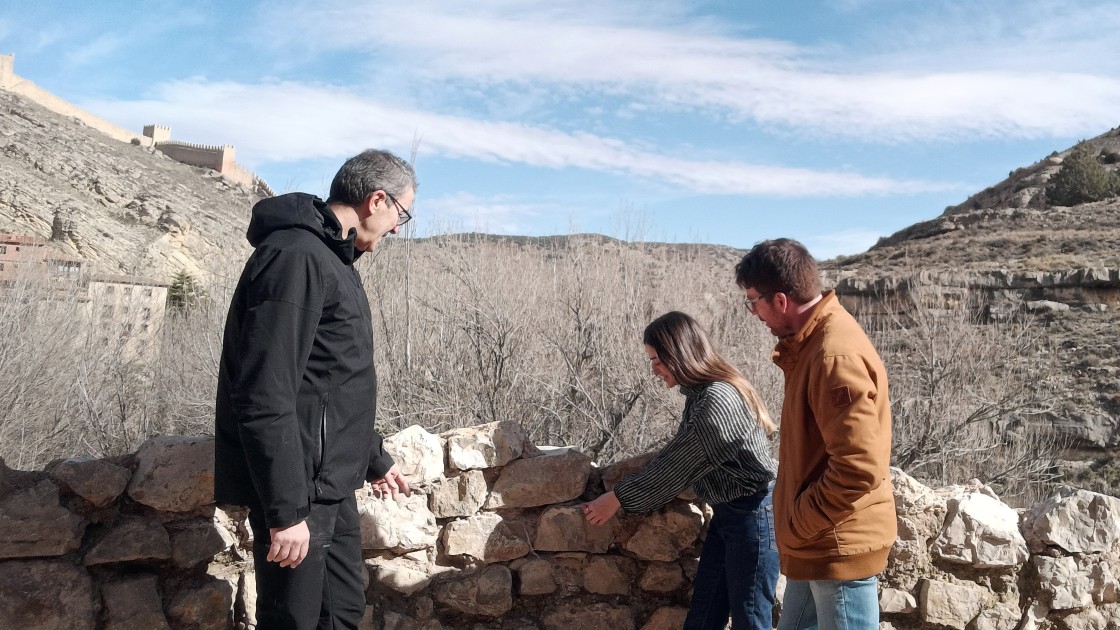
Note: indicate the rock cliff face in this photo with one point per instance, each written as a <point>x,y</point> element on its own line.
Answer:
<point>123,208</point>
<point>493,537</point>
<point>1009,255</point>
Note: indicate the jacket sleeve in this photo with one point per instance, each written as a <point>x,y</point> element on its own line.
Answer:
<point>675,468</point>
<point>379,459</point>
<point>283,306</point>
<point>843,398</point>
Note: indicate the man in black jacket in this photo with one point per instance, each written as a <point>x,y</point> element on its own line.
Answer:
<point>297,392</point>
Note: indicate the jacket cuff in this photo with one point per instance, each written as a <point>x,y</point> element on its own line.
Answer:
<point>286,517</point>
<point>379,465</point>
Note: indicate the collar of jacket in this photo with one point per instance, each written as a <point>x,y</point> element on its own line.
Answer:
<point>786,353</point>
<point>692,390</point>
<point>342,247</point>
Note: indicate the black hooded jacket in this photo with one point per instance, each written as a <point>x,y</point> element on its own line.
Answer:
<point>297,389</point>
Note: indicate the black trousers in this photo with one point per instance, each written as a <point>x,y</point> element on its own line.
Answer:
<point>325,592</point>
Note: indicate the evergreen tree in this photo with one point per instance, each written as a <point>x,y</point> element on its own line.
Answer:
<point>1082,179</point>
<point>185,292</point>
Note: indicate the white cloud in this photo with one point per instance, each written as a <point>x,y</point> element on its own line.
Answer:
<point>467,212</point>
<point>1019,83</point>
<point>95,50</point>
<point>831,245</point>
<point>284,122</point>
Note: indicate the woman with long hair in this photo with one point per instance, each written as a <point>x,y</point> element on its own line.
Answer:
<point>722,451</point>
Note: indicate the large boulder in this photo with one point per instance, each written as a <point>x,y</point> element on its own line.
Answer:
<point>403,525</point>
<point>97,481</point>
<point>461,495</point>
<point>486,446</point>
<point>982,532</point>
<point>486,537</point>
<point>564,528</point>
<point>133,602</point>
<point>46,595</point>
<point>1078,521</point>
<point>131,539</point>
<point>1063,582</point>
<point>949,604</point>
<point>174,474</point>
<point>198,541</point>
<point>407,574</point>
<point>34,524</point>
<point>664,535</point>
<point>558,475</point>
<point>418,454</point>
<point>488,593</point>
<point>599,616</point>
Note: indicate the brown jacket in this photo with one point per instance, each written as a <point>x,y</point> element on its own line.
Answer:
<point>834,513</point>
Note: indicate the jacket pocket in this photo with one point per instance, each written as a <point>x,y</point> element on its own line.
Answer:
<point>321,448</point>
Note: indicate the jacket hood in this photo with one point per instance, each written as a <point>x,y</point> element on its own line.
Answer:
<point>300,211</point>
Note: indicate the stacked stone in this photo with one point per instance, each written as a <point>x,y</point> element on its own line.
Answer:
<point>129,543</point>
<point>963,559</point>
<point>495,539</point>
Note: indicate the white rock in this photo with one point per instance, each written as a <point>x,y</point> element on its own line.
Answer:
<point>485,446</point>
<point>1078,521</point>
<point>418,454</point>
<point>405,524</point>
<point>982,532</point>
<point>1062,583</point>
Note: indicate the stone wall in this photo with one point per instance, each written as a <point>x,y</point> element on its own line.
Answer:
<point>219,158</point>
<point>492,538</point>
<point>14,83</point>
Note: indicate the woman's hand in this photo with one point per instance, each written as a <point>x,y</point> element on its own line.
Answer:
<point>599,511</point>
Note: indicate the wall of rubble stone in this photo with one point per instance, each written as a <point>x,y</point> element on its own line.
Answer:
<point>493,539</point>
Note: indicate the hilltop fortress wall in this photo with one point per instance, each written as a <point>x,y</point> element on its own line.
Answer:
<point>219,158</point>
<point>12,82</point>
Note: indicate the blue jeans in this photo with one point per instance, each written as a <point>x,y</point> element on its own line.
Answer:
<point>830,605</point>
<point>738,567</point>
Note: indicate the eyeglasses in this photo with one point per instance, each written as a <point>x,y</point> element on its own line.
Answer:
<point>752,304</point>
<point>403,215</point>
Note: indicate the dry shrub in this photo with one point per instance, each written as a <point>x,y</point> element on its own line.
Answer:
<point>968,397</point>
<point>546,332</point>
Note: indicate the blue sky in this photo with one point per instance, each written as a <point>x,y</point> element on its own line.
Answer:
<point>728,121</point>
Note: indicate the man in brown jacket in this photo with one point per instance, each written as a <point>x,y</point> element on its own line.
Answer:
<point>834,514</point>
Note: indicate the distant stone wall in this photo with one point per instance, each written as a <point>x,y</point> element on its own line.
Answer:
<point>18,85</point>
<point>493,538</point>
<point>218,158</point>
<point>206,156</point>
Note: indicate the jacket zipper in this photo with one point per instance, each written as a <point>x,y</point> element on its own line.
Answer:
<point>322,449</point>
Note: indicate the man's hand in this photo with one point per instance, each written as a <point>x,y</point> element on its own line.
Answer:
<point>391,485</point>
<point>599,511</point>
<point>289,544</point>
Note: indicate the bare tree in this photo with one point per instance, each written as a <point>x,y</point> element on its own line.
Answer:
<point>967,396</point>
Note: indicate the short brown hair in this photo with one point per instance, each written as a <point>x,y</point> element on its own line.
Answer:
<point>780,265</point>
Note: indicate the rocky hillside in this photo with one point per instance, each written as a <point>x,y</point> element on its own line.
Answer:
<point>1019,257</point>
<point>1008,226</point>
<point>123,208</point>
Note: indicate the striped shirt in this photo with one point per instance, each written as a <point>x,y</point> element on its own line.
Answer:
<point>719,450</point>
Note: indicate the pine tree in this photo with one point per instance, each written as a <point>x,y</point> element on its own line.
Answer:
<point>1082,179</point>
<point>185,292</point>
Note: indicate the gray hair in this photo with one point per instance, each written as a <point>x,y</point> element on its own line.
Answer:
<point>370,171</point>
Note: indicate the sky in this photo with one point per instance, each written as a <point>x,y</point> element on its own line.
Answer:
<point>834,122</point>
